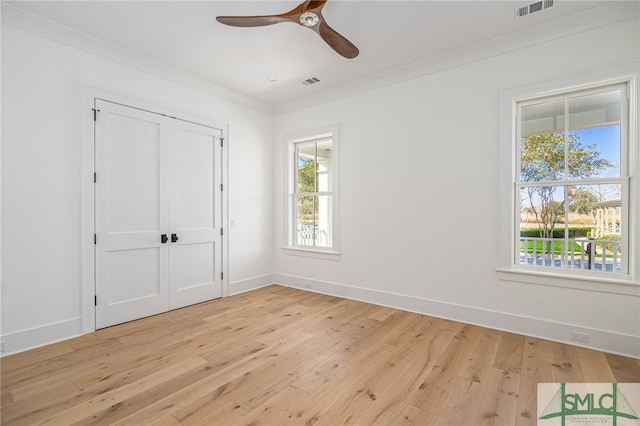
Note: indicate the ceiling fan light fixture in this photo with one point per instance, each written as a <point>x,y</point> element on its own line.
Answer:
<point>309,19</point>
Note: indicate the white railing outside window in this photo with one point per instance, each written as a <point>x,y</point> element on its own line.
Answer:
<point>586,254</point>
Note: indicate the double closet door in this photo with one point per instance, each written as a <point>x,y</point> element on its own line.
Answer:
<point>157,213</point>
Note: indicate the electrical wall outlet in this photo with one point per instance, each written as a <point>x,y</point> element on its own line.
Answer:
<point>580,337</point>
<point>3,346</point>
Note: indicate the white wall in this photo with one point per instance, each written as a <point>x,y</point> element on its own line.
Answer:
<point>419,195</point>
<point>41,199</point>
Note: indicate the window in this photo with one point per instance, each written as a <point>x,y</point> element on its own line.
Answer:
<point>312,188</point>
<point>571,183</point>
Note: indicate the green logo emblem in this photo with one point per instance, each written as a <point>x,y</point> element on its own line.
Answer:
<point>590,406</point>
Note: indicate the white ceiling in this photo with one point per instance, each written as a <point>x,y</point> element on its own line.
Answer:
<point>390,34</point>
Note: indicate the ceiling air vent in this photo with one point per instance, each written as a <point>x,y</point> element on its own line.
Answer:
<point>534,7</point>
<point>312,80</point>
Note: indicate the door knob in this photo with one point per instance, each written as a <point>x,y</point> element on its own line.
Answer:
<point>163,238</point>
<point>174,238</point>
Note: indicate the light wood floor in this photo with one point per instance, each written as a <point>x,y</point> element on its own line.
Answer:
<point>285,356</point>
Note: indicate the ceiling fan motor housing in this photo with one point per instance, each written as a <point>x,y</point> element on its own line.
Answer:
<point>309,19</point>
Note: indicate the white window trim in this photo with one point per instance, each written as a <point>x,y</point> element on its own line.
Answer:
<point>507,270</point>
<point>328,253</point>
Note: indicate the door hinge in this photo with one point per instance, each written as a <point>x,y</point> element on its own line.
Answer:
<point>221,142</point>
<point>95,111</point>
<point>222,187</point>
<point>95,239</point>
<point>95,177</point>
<point>95,300</point>
<point>222,275</point>
<point>221,231</point>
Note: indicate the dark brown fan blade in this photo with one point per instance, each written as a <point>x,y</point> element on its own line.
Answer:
<point>336,41</point>
<point>251,21</point>
<point>260,21</point>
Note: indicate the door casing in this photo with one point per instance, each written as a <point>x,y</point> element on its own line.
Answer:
<point>88,94</point>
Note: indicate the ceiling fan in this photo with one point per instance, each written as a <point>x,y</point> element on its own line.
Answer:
<point>308,14</point>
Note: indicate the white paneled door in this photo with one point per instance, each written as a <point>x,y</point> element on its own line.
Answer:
<point>157,214</point>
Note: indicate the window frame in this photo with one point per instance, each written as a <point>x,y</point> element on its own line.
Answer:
<point>567,181</point>
<point>292,142</point>
<point>511,99</point>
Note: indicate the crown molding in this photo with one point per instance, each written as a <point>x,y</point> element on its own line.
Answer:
<point>591,19</point>
<point>45,28</point>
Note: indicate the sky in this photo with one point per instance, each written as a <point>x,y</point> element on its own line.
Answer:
<point>607,140</point>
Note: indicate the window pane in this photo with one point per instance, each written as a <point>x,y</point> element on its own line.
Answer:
<point>323,221</point>
<point>542,143</point>
<point>607,210</point>
<point>323,176</point>
<point>313,227</point>
<point>576,227</point>
<point>305,221</point>
<point>542,209</point>
<point>306,167</point>
<point>594,140</point>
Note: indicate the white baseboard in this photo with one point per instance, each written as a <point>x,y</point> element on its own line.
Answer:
<point>20,341</point>
<point>603,340</point>
<point>32,338</point>
<point>249,284</point>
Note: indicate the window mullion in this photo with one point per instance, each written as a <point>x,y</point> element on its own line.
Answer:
<point>293,226</point>
<point>565,249</point>
<point>573,182</point>
<point>313,224</point>
<point>315,190</point>
<point>566,139</point>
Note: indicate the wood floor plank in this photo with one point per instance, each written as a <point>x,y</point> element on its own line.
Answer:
<point>509,354</point>
<point>112,399</point>
<point>437,383</point>
<point>463,402</point>
<point>625,370</point>
<point>477,366</point>
<point>535,369</point>
<point>38,408</point>
<point>221,382</point>
<point>279,355</point>
<point>499,402</point>
<point>594,366</point>
<point>415,416</point>
<point>291,406</point>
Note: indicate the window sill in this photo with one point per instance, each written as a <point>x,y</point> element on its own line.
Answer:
<point>601,283</point>
<point>308,252</point>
